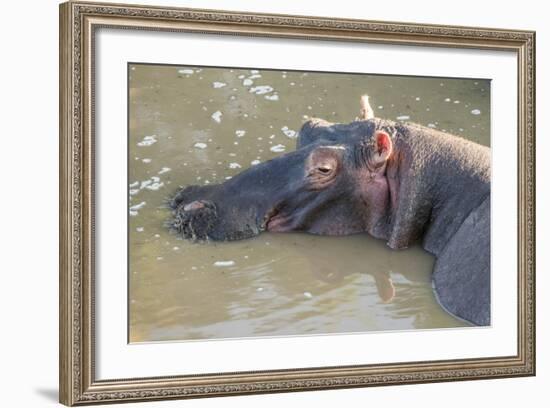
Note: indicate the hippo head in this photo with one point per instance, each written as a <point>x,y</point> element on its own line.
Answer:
<point>334,183</point>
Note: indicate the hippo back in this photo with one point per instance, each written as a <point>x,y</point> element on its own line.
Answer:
<point>462,272</point>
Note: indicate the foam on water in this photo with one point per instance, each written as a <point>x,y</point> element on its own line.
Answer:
<point>292,134</point>
<point>135,208</point>
<point>155,186</point>
<point>261,89</point>
<point>145,184</point>
<point>278,148</point>
<point>217,116</point>
<point>148,141</point>
<point>224,263</point>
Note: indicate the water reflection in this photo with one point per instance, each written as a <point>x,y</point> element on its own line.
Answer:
<point>193,125</point>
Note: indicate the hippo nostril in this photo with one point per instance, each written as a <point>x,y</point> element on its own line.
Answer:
<point>195,205</point>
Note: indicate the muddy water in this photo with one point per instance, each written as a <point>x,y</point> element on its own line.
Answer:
<point>192,125</point>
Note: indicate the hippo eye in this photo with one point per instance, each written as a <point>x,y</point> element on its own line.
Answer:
<point>322,166</point>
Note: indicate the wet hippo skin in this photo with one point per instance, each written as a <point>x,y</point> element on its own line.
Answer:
<point>400,182</point>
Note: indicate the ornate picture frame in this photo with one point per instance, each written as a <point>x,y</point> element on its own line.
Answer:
<point>79,23</point>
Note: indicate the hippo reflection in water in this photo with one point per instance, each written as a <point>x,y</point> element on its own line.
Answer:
<point>398,182</point>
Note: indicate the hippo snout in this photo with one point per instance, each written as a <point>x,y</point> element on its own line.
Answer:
<point>195,220</point>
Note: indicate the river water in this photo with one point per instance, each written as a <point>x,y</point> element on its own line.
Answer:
<point>200,125</point>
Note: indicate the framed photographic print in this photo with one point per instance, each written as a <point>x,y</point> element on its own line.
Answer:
<point>260,203</point>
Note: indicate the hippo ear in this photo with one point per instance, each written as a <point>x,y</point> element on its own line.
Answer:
<point>383,147</point>
<point>366,112</point>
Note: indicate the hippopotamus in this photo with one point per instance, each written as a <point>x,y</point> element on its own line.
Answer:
<point>399,182</point>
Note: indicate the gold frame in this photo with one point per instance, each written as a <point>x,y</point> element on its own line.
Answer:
<point>78,22</point>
